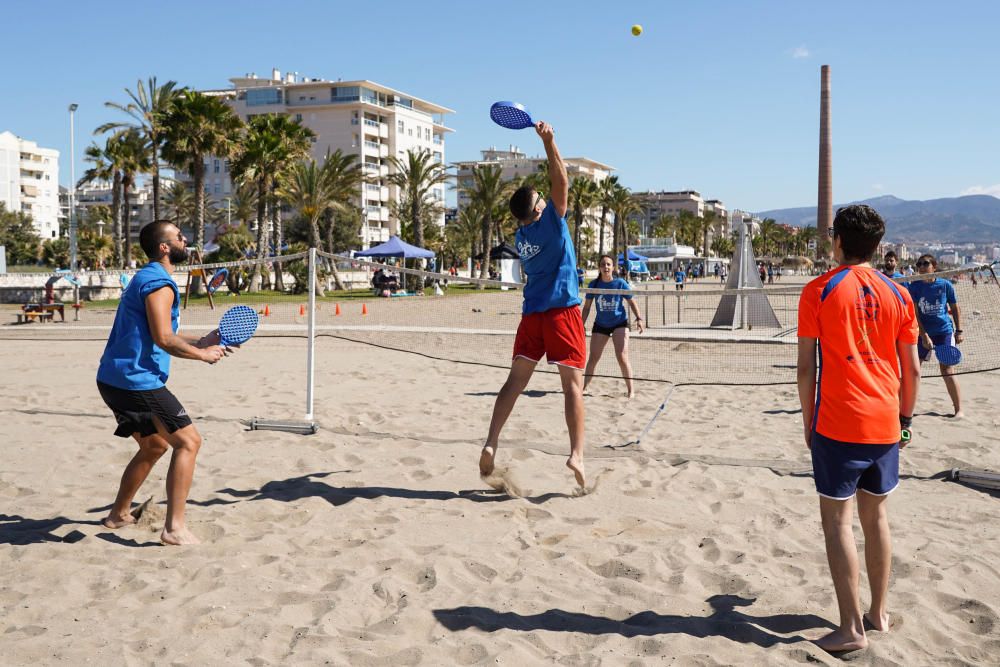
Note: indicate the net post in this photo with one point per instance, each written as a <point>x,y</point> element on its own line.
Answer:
<point>311,336</point>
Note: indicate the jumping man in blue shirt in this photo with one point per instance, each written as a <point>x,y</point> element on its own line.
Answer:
<point>132,380</point>
<point>551,325</point>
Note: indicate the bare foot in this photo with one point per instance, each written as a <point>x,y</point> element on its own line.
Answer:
<point>958,415</point>
<point>885,624</point>
<point>486,460</point>
<point>842,640</point>
<point>576,465</point>
<point>630,395</point>
<point>178,538</point>
<point>116,521</point>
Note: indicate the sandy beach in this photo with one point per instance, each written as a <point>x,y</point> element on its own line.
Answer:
<point>375,542</point>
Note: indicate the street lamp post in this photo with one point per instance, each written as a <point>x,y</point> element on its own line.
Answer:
<point>72,191</point>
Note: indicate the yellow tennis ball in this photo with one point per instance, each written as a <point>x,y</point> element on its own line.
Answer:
<point>637,30</point>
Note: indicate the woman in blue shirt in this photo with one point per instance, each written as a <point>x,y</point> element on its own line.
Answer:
<point>610,321</point>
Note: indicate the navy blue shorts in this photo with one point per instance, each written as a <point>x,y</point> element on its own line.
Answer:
<point>842,468</point>
<point>607,331</point>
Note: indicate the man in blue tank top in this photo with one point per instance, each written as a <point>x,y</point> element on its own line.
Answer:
<point>551,325</point>
<point>132,380</point>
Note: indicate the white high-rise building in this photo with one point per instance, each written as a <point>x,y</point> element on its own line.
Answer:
<point>361,117</point>
<point>515,164</point>
<point>29,182</point>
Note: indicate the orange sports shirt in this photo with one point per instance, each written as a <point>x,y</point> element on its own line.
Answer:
<point>858,315</point>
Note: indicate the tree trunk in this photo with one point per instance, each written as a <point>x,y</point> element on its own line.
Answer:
<point>332,264</point>
<point>416,281</point>
<point>484,272</point>
<point>600,241</point>
<point>578,219</point>
<point>615,239</point>
<point>156,182</point>
<point>261,237</point>
<point>116,220</point>
<point>198,174</point>
<point>279,237</point>
<point>126,213</point>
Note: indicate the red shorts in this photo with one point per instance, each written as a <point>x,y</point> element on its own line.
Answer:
<point>556,333</point>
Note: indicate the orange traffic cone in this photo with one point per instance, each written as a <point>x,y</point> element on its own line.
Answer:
<point>267,310</point>
<point>364,309</point>
<point>302,309</point>
<point>338,310</point>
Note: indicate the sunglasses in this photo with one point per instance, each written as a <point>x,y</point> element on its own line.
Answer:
<point>829,232</point>
<point>923,263</point>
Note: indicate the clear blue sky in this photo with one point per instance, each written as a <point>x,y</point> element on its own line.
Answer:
<point>722,97</point>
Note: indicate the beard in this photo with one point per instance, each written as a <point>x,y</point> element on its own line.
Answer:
<point>179,255</point>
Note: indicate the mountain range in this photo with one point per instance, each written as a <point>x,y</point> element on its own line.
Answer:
<point>967,219</point>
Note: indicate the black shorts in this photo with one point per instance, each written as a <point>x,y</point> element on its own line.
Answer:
<point>607,331</point>
<point>135,410</point>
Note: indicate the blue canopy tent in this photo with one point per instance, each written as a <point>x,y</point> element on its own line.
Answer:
<point>633,256</point>
<point>397,247</point>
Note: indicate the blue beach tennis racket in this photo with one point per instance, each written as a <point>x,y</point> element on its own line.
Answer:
<point>237,326</point>
<point>511,115</point>
<point>217,280</point>
<point>948,355</point>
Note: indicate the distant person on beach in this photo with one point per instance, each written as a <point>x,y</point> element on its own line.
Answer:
<point>679,276</point>
<point>610,322</point>
<point>132,380</point>
<point>940,322</point>
<point>551,324</point>
<point>853,420</point>
<point>890,265</point>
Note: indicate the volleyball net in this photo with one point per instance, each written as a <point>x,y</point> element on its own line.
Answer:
<point>701,335</point>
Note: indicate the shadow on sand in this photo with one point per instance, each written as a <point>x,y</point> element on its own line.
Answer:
<point>308,486</point>
<point>16,529</point>
<point>724,621</point>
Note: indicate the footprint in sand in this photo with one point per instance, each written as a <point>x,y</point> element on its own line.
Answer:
<point>710,550</point>
<point>427,579</point>
<point>614,568</point>
<point>481,570</point>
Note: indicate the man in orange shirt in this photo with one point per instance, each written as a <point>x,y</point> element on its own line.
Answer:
<point>859,415</point>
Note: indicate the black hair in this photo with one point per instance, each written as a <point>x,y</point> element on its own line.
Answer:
<point>152,235</point>
<point>891,254</point>
<point>609,257</point>
<point>521,202</point>
<point>859,228</point>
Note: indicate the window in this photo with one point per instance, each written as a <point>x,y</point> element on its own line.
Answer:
<point>400,127</point>
<point>410,132</point>
<point>216,189</point>
<point>262,96</point>
<point>427,134</point>
<point>225,166</point>
<point>298,118</point>
<point>215,167</point>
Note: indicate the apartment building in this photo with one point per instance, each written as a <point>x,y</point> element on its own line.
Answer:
<point>360,117</point>
<point>515,164</point>
<point>99,194</point>
<point>29,182</point>
<point>655,205</point>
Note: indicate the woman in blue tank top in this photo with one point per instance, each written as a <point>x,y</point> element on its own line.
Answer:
<point>610,321</point>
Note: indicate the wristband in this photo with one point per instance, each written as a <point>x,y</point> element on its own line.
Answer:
<point>958,331</point>
<point>905,422</point>
<point>905,435</point>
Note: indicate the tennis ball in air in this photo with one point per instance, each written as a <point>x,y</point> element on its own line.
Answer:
<point>637,30</point>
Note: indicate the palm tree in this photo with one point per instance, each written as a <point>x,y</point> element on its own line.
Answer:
<point>196,126</point>
<point>344,174</point>
<point>313,189</point>
<point>605,195</point>
<point>488,192</point>
<point>582,195</point>
<point>416,177</point>
<point>805,236</point>
<point>768,230</point>
<point>623,205</point>
<point>179,204</point>
<point>707,224</point>
<point>105,170</point>
<point>133,155</point>
<point>148,107</point>
<point>271,143</point>
<point>465,232</point>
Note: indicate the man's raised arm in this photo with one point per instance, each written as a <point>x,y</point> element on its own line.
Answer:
<point>558,181</point>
